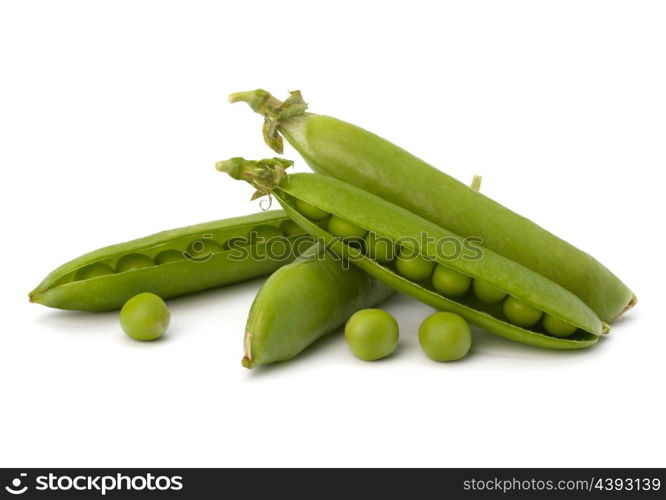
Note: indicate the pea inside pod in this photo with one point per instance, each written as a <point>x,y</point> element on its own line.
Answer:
<point>406,230</point>
<point>172,263</point>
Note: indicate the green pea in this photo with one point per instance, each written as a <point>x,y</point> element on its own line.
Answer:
<point>290,228</point>
<point>344,229</point>
<point>519,313</point>
<point>133,261</point>
<point>372,334</point>
<point>487,293</point>
<point>379,249</point>
<point>93,271</point>
<point>169,256</point>
<point>414,266</point>
<point>145,317</point>
<point>557,327</point>
<point>450,282</point>
<point>310,211</point>
<point>445,336</point>
<point>235,242</point>
<point>264,232</point>
<point>203,248</point>
<point>323,223</point>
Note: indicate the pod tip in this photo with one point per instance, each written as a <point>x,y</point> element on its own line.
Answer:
<point>247,362</point>
<point>630,305</point>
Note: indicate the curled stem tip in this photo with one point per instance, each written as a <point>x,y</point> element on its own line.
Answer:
<point>265,175</point>
<point>274,111</point>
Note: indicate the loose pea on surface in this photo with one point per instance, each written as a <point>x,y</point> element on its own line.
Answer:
<point>310,211</point>
<point>344,229</point>
<point>449,281</point>
<point>557,327</point>
<point>379,249</point>
<point>519,313</point>
<point>169,256</point>
<point>145,317</point>
<point>445,336</point>
<point>487,293</point>
<point>290,228</point>
<point>413,266</point>
<point>93,271</point>
<point>372,334</point>
<point>133,261</point>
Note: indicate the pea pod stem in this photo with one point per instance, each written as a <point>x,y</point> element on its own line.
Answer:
<point>274,112</point>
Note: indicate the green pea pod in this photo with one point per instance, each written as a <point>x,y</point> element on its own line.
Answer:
<point>371,213</point>
<point>363,159</point>
<point>303,301</point>
<point>171,263</point>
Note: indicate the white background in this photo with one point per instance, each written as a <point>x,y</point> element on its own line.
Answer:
<point>112,115</point>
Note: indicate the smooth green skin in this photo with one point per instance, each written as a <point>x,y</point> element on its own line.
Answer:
<point>169,256</point>
<point>413,266</point>
<point>487,293</point>
<point>145,317</point>
<point>93,271</point>
<point>449,282</point>
<point>445,336</point>
<point>290,228</point>
<point>519,313</point>
<point>372,334</point>
<point>111,291</point>
<point>303,301</point>
<point>557,327</point>
<point>358,157</point>
<point>266,232</point>
<point>380,249</point>
<point>344,229</point>
<point>391,221</point>
<point>310,211</point>
<point>133,261</point>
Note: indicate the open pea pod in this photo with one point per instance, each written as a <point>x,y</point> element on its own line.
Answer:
<point>356,156</point>
<point>374,215</point>
<point>175,262</point>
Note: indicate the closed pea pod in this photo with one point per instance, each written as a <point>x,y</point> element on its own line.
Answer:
<point>304,301</point>
<point>401,226</point>
<point>335,148</point>
<point>168,264</point>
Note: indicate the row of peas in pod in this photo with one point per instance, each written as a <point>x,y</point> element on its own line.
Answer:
<point>445,280</point>
<point>195,250</point>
